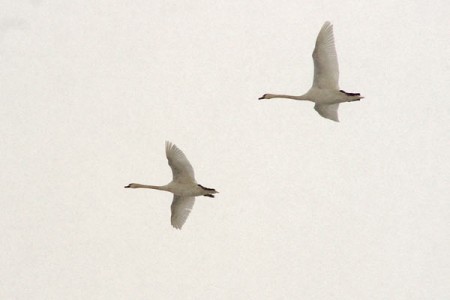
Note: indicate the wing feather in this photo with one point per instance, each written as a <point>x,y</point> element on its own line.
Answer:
<point>326,68</point>
<point>181,208</point>
<point>328,111</point>
<point>182,170</point>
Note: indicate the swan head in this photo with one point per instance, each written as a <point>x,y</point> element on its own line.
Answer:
<point>268,96</point>
<point>131,186</point>
<point>265,96</point>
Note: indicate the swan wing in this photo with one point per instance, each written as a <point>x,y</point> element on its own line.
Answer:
<point>181,208</point>
<point>326,68</point>
<point>182,170</point>
<point>328,111</point>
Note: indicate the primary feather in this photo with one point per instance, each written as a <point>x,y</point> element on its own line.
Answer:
<point>181,208</point>
<point>326,68</point>
<point>182,170</point>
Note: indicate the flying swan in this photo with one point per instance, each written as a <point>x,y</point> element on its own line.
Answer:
<point>325,90</point>
<point>183,186</point>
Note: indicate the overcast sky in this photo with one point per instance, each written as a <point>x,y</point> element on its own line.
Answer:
<point>308,208</point>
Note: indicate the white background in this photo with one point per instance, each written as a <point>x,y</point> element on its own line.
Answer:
<point>308,208</point>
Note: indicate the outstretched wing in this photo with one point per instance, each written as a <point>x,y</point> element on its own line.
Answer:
<point>181,208</point>
<point>182,170</point>
<point>326,68</point>
<point>328,111</point>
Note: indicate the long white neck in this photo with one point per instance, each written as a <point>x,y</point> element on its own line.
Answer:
<point>302,97</point>
<point>147,186</point>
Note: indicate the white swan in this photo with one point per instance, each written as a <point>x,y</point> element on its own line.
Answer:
<point>183,186</point>
<point>325,89</point>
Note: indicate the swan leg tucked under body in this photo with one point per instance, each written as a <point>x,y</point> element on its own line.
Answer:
<point>325,92</point>
<point>183,186</point>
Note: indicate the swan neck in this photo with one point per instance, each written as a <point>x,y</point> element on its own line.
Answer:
<point>148,186</point>
<point>302,97</point>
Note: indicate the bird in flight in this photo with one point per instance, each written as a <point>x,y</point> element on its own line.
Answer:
<point>325,92</point>
<point>183,186</point>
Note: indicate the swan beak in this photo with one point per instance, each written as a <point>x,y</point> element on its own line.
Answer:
<point>262,97</point>
<point>128,186</point>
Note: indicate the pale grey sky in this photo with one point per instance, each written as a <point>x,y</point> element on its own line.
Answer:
<point>308,208</point>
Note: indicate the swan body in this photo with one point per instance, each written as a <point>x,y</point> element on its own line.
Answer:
<point>325,92</point>
<point>183,186</point>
